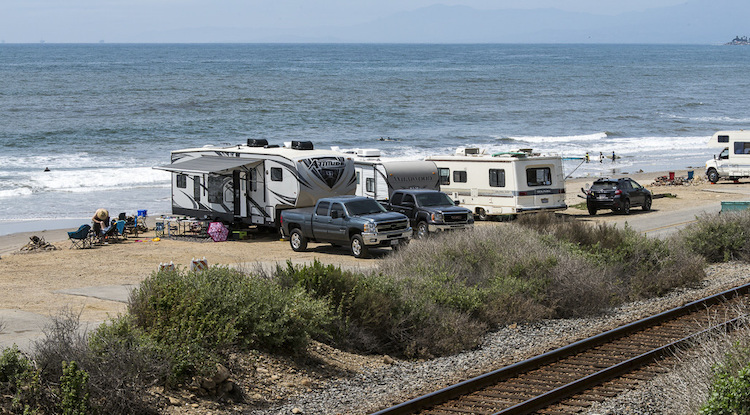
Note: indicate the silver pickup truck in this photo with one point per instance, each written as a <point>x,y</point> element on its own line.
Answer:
<point>358,221</point>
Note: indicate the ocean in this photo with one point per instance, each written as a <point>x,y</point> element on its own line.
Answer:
<point>100,116</point>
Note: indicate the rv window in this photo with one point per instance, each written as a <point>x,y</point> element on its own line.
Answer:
<point>276,174</point>
<point>182,181</point>
<point>253,180</point>
<point>370,184</point>
<point>723,138</point>
<point>197,188</point>
<point>741,147</point>
<point>445,176</point>
<point>216,189</point>
<point>497,178</point>
<point>459,176</point>
<point>357,173</point>
<point>539,176</point>
<point>322,209</point>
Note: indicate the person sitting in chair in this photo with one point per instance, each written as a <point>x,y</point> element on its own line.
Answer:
<point>100,220</point>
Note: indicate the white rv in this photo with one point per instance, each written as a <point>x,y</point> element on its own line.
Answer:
<point>378,179</point>
<point>505,183</point>
<point>252,183</point>
<point>734,160</point>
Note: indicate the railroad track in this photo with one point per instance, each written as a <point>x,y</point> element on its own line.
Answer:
<point>570,379</point>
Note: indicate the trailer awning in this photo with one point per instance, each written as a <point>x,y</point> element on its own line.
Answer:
<point>207,164</point>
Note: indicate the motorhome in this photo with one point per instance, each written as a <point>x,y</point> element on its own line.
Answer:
<point>378,178</point>
<point>251,183</point>
<point>504,183</point>
<point>733,162</point>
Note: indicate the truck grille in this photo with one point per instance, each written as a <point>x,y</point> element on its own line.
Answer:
<point>455,218</point>
<point>398,225</point>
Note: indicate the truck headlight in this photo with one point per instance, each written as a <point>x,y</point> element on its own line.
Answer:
<point>437,217</point>
<point>371,227</point>
<point>470,216</point>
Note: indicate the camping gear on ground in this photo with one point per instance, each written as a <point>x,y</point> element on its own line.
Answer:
<point>218,231</point>
<point>82,238</point>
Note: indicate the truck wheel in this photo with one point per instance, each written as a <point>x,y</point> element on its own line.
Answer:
<point>592,210</point>
<point>358,247</point>
<point>422,230</point>
<point>297,241</point>
<point>713,175</point>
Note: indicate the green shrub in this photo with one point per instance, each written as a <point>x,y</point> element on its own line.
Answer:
<point>640,266</point>
<point>720,237</point>
<point>730,388</point>
<point>74,393</point>
<point>196,315</point>
<point>377,314</point>
<point>13,364</point>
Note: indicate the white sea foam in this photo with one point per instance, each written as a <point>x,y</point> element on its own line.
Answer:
<point>81,180</point>
<point>586,138</point>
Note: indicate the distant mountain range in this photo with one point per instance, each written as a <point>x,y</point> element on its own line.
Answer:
<point>693,22</point>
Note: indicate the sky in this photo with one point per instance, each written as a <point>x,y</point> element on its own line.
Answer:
<point>90,21</point>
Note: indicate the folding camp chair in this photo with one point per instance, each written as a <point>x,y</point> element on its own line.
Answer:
<point>119,234</point>
<point>82,238</point>
<point>108,234</point>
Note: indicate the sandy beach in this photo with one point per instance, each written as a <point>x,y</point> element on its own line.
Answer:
<point>46,282</point>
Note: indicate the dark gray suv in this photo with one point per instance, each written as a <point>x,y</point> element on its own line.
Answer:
<point>617,194</point>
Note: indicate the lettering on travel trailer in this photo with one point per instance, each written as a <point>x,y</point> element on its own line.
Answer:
<point>500,184</point>
<point>733,162</point>
<point>252,183</point>
<point>378,179</point>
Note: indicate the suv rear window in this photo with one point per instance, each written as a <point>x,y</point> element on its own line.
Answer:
<point>604,186</point>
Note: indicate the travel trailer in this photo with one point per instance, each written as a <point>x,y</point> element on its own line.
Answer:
<point>500,184</point>
<point>733,162</point>
<point>251,183</point>
<point>378,179</point>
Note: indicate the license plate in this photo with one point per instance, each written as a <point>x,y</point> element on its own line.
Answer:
<point>545,200</point>
<point>394,241</point>
<point>601,197</point>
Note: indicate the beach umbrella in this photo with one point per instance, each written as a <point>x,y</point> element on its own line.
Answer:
<point>218,231</point>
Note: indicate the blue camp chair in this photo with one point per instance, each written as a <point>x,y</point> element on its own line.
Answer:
<point>108,234</point>
<point>120,231</point>
<point>82,238</point>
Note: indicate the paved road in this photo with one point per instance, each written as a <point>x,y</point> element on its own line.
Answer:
<point>661,224</point>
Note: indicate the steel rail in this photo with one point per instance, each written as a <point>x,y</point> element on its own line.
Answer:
<point>556,395</point>
<point>487,379</point>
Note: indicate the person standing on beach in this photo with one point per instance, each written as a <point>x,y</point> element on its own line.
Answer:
<point>601,157</point>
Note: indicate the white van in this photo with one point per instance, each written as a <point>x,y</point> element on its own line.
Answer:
<point>734,160</point>
<point>506,183</point>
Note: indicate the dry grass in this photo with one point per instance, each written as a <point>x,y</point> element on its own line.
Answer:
<point>686,387</point>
